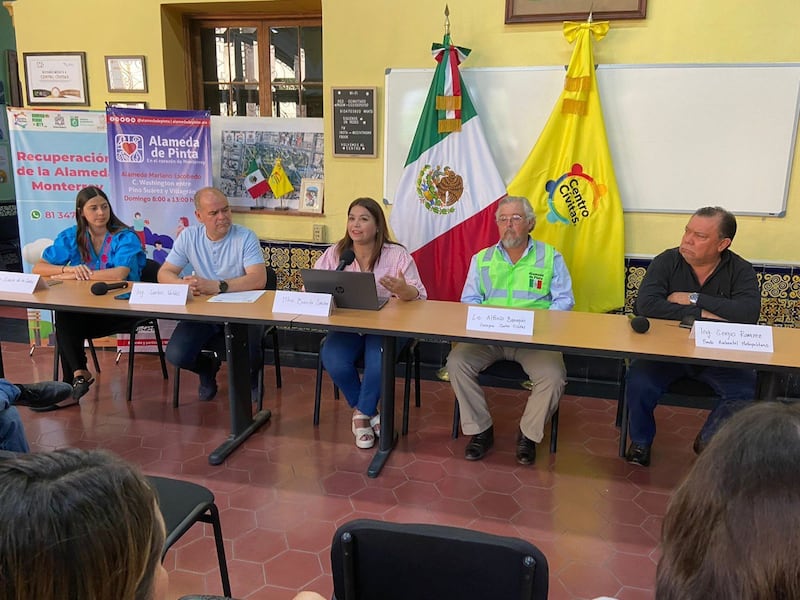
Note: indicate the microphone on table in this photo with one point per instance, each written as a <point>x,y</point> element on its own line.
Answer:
<point>101,288</point>
<point>347,257</point>
<point>640,324</point>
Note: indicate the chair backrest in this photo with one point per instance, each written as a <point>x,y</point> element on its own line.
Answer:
<point>375,560</point>
<point>150,271</point>
<point>272,279</point>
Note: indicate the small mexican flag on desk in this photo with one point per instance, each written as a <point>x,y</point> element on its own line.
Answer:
<point>255,182</point>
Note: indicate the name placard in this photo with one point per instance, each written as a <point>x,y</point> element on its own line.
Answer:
<point>500,320</point>
<point>170,294</point>
<point>303,303</point>
<point>732,336</point>
<point>21,283</point>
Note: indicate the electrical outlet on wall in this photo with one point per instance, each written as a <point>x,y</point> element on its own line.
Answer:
<point>318,232</point>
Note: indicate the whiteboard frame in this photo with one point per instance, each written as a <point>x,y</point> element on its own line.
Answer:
<point>513,129</point>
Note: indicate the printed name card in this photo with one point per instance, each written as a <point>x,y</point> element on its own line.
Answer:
<point>500,320</point>
<point>303,303</point>
<point>732,336</point>
<point>21,283</point>
<point>169,294</point>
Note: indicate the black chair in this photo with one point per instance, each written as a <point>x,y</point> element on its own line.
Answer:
<point>376,560</point>
<point>509,371</point>
<point>182,505</point>
<point>149,275</point>
<point>408,354</point>
<point>218,348</point>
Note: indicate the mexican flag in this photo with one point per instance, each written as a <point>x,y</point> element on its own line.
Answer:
<point>255,182</point>
<point>569,179</point>
<point>447,195</point>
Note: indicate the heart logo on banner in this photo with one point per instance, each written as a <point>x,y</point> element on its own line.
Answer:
<point>129,147</point>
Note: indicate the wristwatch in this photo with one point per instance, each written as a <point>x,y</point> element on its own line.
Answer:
<point>223,287</point>
<point>693,297</point>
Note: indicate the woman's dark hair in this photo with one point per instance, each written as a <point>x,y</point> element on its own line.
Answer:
<point>382,235</point>
<point>77,525</point>
<point>732,529</point>
<point>114,224</point>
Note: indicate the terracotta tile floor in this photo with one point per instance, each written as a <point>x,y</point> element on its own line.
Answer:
<point>286,490</point>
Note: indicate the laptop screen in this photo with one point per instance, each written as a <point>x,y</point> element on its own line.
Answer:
<point>350,289</point>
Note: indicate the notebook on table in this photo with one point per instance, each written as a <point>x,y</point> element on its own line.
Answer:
<point>350,289</point>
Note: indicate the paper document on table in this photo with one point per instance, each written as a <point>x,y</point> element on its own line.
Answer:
<point>241,297</point>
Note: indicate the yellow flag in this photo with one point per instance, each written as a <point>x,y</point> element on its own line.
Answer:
<point>278,181</point>
<point>569,179</point>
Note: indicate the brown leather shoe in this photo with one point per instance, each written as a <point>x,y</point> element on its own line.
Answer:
<point>526,450</point>
<point>480,444</point>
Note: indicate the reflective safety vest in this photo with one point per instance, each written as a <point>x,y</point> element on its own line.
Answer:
<point>525,284</point>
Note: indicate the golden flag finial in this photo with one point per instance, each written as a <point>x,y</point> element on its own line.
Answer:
<point>446,19</point>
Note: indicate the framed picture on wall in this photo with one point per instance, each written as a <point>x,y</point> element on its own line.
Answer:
<point>56,78</point>
<point>529,11</point>
<point>311,192</point>
<point>127,104</point>
<point>126,74</point>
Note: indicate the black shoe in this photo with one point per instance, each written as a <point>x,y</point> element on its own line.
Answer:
<point>526,450</point>
<point>699,445</point>
<point>480,444</point>
<point>638,454</point>
<point>208,380</point>
<point>43,394</point>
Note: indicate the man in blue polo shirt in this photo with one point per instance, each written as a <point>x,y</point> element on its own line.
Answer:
<point>221,257</point>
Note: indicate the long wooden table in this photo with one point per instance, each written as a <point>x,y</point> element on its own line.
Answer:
<point>588,334</point>
<point>76,296</point>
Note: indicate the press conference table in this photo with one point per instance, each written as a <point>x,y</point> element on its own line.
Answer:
<point>588,334</point>
<point>76,295</point>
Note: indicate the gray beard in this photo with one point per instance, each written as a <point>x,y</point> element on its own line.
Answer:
<point>513,242</point>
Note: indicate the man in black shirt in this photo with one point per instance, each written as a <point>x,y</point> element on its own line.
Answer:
<point>701,278</point>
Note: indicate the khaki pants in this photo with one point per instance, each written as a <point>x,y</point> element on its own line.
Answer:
<point>544,368</point>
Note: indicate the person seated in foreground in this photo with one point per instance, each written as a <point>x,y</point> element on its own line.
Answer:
<point>99,247</point>
<point>701,278</point>
<point>80,525</point>
<point>517,272</point>
<point>732,529</point>
<point>34,395</point>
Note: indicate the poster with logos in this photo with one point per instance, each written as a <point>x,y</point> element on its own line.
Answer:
<point>158,160</point>
<point>54,154</point>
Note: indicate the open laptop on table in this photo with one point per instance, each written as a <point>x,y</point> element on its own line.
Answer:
<point>350,289</point>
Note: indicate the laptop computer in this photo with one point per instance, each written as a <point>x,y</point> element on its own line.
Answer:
<point>350,289</point>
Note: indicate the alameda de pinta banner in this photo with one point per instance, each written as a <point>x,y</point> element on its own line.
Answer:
<point>158,160</point>
<point>55,154</point>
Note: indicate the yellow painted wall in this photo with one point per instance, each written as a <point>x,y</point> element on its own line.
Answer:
<point>364,37</point>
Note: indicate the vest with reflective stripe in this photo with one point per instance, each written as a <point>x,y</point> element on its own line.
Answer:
<point>525,284</point>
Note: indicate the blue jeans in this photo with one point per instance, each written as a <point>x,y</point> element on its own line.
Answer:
<point>648,380</point>
<point>341,354</point>
<point>190,338</point>
<point>12,433</point>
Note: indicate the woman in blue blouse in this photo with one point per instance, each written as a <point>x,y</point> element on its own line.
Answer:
<point>99,248</point>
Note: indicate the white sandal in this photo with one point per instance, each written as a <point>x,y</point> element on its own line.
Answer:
<point>375,423</point>
<point>365,437</point>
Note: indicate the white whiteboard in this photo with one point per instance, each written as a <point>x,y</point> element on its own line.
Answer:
<point>681,136</point>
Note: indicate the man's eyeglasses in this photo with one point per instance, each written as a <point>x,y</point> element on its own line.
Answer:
<point>514,219</point>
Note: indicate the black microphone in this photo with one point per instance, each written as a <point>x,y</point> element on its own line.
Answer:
<point>347,257</point>
<point>640,324</point>
<point>101,288</point>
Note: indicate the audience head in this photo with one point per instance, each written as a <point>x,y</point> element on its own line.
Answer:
<point>78,525</point>
<point>732,529</point>
<point>366,224</point>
